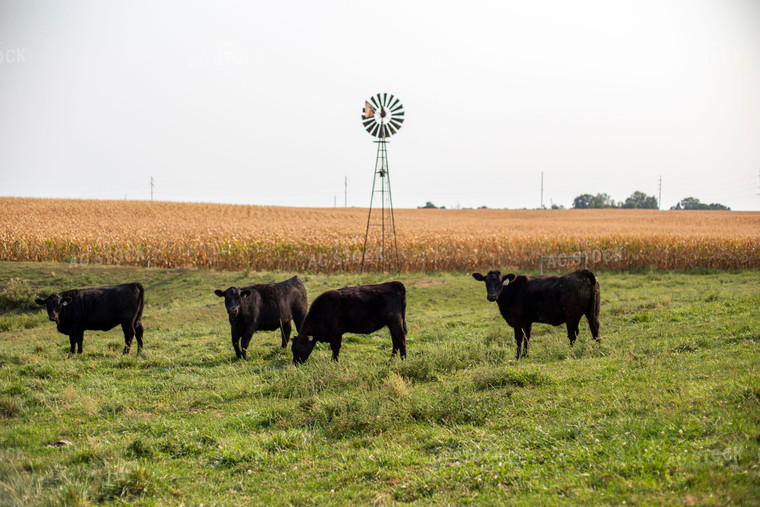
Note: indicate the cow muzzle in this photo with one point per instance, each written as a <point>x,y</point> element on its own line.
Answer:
<point>491,298</point>
<point>233,311</point>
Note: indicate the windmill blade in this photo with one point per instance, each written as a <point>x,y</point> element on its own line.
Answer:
<point>385,99</point>
<point>391,129</point>
<point>375,129</point>
<point>395,125</point>
<point>399,106</point>
<point>373,101</point>
<point>392,103</point>
<point>379,99</point>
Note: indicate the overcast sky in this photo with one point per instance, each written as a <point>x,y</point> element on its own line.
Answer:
<point>260,102</point>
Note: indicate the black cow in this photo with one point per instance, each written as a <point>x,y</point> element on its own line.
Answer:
<point>101,309</point>
<point>553,300</point>
<point>265,307</point>
<point>363,309</point>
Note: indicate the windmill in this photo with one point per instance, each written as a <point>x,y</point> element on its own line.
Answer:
<point>382,117</point>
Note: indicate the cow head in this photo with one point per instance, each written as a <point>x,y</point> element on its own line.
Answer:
<point>55,304</point>
<point>494,282</point>
<point>302,346</point>
<point>233,297</point>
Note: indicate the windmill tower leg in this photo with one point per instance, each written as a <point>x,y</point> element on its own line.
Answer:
<point>386,219</point>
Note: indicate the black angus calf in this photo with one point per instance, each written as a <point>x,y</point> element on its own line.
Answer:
<point>363,309</point>
<point>265,307</point>
<point>101,309</point>
<point>553,300</point>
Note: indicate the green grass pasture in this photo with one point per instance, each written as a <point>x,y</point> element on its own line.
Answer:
<point>666,409</point>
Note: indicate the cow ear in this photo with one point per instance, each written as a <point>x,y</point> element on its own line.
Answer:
<point>40,302</point>
<point>507,279</point>
<point>219,293</point>
<point>478,277</point>
<point>245,293</point>
<point>65,301</point>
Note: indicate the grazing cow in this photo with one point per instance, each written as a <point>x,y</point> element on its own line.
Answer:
<point>362,310</point>
<point>265,307</point>
<point>553,300</point>
<point>101,309</point>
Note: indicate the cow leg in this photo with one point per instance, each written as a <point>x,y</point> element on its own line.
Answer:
<point>244,342</point>
<point>398,336</point>
<point>129,333</point>
<point>285,329</point>
<point>80,339</point>
<point>73,343</point>
<point>139,335</point>
<point>572,329</point>
<point>335,344</point>
<point>519,338</point>
<point>526,339</point>
<point>235,342</point>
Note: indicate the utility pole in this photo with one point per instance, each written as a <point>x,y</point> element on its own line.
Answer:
<point>542,190</point>
<point>151,188</point>
<point>345,192</point>
<point>659,199</point>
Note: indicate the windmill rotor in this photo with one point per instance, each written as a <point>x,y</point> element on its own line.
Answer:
<point>383,115</point>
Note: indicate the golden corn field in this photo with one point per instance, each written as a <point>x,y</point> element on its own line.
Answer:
<point>164,234</point>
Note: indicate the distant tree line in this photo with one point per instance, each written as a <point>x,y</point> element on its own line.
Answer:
<point>639,200</point>
<point>694,203</point>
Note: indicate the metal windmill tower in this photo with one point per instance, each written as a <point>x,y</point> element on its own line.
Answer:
<point>382,117</point>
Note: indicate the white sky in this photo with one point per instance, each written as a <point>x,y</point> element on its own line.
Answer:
<point>260,102</point>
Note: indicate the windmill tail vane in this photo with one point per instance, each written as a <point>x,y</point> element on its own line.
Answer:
<point>369,111</point>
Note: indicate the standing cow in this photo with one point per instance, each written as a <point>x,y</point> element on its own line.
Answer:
<point>101,309</point>
<point>553,300</point>
<point>265,307</point>
<point>363,309</point>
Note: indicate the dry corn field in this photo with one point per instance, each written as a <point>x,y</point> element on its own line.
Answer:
<point>164,234</point>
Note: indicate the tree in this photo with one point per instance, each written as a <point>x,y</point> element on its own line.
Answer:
<point>586,201</point>
<point>640,200</point>
<point>583,201</point>
<point>428,205</point>
<point>602,201</point>
<point>694,203</point>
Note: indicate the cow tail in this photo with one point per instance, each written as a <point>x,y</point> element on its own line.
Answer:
<point>596,298</point>
<point>141,290</point>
